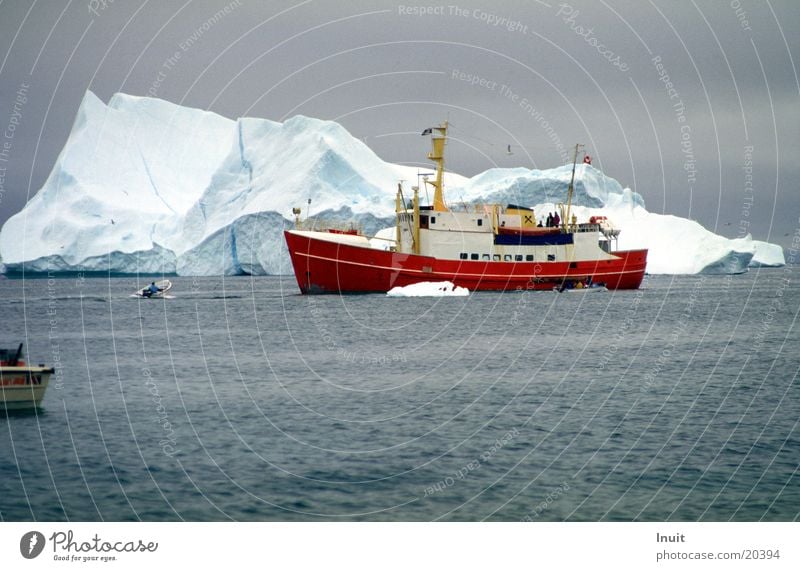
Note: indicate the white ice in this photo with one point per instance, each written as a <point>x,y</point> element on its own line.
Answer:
<point>429,289</point>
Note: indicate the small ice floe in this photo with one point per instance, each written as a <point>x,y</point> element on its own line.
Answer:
<point>429,289</point>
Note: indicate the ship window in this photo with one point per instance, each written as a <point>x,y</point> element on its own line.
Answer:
<point>433,219</point>
<point>507,258</point>
<point>528,257</point>
<point>423,221</point>
<point>463,255</point>
<point>518,258</point>
<point>496,257</point>
<point>473,256</point>
<point>573,265</point>
<point>486,256</point>
<point>551,257</point>
<point>480,222</point>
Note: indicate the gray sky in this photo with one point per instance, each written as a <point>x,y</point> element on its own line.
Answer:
<point>540,76</point>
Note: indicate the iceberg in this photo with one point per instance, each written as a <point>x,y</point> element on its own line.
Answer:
<point>429,289</point>
<point>146,186</point>
<point>119,189</point>
<point>592,187</point>
<point>767,255</point>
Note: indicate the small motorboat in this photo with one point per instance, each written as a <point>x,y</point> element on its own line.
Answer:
<point>162,286</point>
<point>580,287</point>
<point>21,385</point>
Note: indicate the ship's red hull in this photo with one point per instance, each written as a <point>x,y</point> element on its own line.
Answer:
<point>323,266</point>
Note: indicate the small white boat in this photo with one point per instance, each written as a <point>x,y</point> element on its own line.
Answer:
<point>163,287</point>
<point>21,385</point>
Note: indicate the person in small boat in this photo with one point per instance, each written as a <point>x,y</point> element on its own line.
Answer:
<point>151,289</point>
<point>556,220</point>
<point>539,225</point>
<point>549,219</point>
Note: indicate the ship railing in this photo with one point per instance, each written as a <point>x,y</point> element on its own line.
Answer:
<point>321,226</point>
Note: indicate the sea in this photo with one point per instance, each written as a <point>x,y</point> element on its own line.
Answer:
<point>241,400</point>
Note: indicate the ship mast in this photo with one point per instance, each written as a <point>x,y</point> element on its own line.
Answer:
<point>438,139</point>
<point>570,190</point>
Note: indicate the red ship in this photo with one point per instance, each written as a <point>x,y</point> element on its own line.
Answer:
<point>484,247</point>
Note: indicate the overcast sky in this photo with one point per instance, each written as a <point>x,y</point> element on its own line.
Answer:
<point>674,99</point>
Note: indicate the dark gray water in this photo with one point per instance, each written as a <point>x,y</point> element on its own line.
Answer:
<point>242,400</point>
